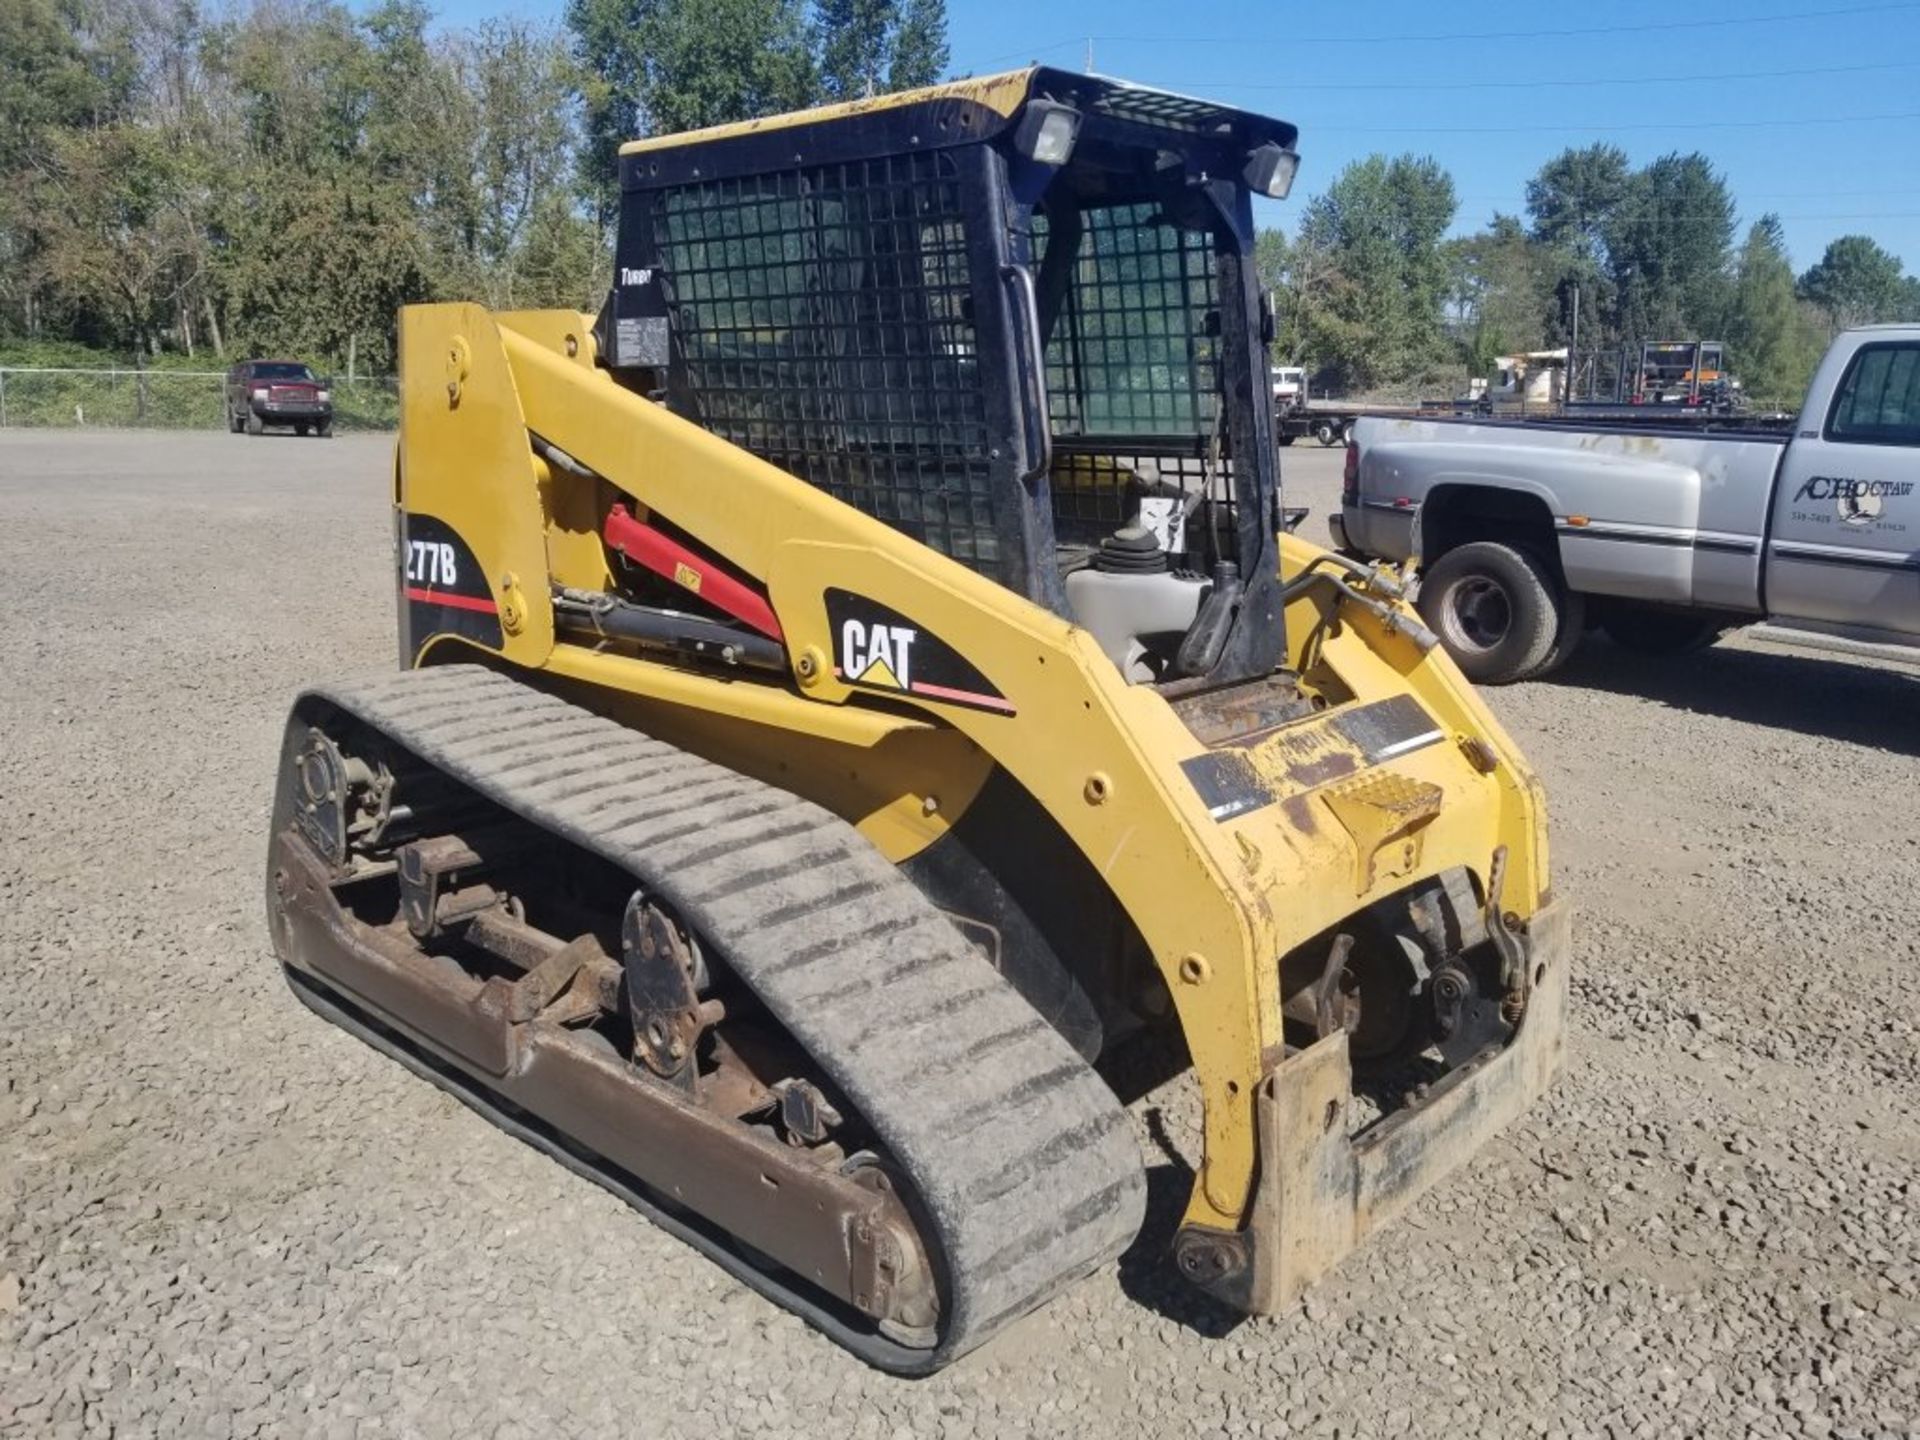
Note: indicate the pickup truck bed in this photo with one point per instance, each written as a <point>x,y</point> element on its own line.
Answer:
<point>1648,516</point>
<point>1526,533</point>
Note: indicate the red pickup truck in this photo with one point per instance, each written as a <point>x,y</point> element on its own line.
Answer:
<point>277,392</point>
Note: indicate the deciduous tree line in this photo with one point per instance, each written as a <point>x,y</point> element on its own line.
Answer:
<point>279,177</point>
<point>1372,292</point>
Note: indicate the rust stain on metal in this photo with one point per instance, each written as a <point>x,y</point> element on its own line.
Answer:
<point>1300,814</point>
<point>1322,1189</point>
<point>1333,765</point>
<point>1242,715</point>
<point>851,1234</point>
<point>1303,757</point>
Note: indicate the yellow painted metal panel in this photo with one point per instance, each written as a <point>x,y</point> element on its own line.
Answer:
<point>1003,94</point>
<point>1218,902</point>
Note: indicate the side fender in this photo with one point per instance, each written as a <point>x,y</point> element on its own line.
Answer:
<point>472,556</point>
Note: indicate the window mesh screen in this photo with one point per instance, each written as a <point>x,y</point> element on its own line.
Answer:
<point>1099,486</point>
<point>1132,379</point>
<point>1130,353</point>
<point>823,323</point>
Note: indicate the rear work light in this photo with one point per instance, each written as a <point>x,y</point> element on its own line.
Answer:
<point>1270,170</point>
<point>1350,475</point>
<point>1047,132</point>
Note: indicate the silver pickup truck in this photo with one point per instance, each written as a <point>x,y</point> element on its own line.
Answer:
<point>1526,535</point>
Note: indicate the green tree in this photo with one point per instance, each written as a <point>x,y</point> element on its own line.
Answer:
<point>1571,200</point>
<point>1907,302</point>
<point>281,177</point>
<point>561,261</point>
<point>1574,196</point>
<point>1293,275</point>
<point>66,69</point>
<point>1500,293</point>
<point>352,152</point>
<point>113,243</point>
<point>920,52</point>
<point>652,67</point>
<point>713,61</point>
<point>60,68</point>
<point>1774,349</point>
<point>658,66</point>
<point>1855,283</point>
<point>361,256</point>
<point>869,46</point>
<point>1379,227</point>
<point>1270,256</point>
<point>525,244</point>
<point>1669,250</point>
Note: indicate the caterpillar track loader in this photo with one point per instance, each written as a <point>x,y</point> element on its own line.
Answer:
<point>861,682</point>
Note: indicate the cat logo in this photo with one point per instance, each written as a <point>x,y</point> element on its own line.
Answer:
<point>878,648</point>
<point>877,654</point>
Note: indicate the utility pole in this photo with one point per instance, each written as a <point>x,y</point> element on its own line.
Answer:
<point>1089,54</point>
<point>1573,347</point>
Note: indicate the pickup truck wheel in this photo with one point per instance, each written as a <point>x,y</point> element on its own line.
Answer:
<point>255,425</point>
<point>324,429</point>
<point>1567,635</point>
<point>1648,630</point>
<point>1495,608</point>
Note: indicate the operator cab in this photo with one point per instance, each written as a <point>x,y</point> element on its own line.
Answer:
<point>1015,318</point>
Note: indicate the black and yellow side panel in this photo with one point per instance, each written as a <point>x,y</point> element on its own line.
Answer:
<point>472,534</point>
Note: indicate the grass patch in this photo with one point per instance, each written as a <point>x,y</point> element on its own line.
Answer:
<point>51,383</point>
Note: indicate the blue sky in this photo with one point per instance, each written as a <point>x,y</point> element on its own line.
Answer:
<point>1814,114</point>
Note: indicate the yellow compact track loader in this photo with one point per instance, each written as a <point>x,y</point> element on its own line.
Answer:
<point>861,677</point>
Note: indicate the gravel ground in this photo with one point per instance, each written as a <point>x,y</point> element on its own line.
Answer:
<point>219,1216</point>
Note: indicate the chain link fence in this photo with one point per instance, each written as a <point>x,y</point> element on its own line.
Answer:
<point>45,397</point>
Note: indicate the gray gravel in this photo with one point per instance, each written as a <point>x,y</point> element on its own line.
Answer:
<point>218,1216</point>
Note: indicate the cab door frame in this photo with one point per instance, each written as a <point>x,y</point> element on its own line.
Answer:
<point>1843,542</point>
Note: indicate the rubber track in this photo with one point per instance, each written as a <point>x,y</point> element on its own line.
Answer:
<point>1023,1160</point>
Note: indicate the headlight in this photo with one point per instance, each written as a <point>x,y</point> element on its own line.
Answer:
<point>1270,170</point>
<point>260,392</point>
<point>324,397</point>
<point>1047,132</point>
